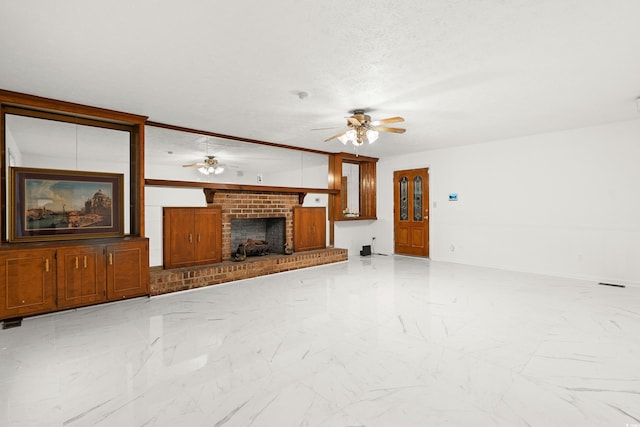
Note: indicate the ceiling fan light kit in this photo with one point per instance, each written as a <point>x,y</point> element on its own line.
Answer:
<point>210,166</point>
<point>210,170</point>
<point>361,129</point>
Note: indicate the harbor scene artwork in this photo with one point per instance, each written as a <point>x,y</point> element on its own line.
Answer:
<point>57,204</point>
<point>64,204</point>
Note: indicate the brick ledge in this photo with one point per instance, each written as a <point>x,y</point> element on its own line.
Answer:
<point>181,279</point>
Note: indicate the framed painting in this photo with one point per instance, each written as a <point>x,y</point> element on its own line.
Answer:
<point>49,204</point>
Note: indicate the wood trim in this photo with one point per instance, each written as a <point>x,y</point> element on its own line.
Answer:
<point>11,98</point>
<point>8,97</point>
<point>358,218</point>
<point>235,138</point>
<point>47,115</point>
<point>5,246</point>
<point>4,169</point>
<point>136,167</point>
<point>367,190</point>
<point>352,158</point>
<point>210,188</point>
<point>236,187</point>
<point>335,183</point>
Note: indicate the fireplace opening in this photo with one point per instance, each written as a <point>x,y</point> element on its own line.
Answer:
<point>269,230</point>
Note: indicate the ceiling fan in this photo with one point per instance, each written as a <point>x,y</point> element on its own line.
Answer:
<point>360,128</point>
<point>209,166</point>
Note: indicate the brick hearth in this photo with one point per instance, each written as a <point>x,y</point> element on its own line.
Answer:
<point>180,279</point>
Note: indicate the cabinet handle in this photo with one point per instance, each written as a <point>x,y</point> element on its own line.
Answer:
<point>46,265</point>
<point>76,263</point>
<point>85,261</point>
<point>110,258</point>
<point>190,238</point>
<point>198,237</point>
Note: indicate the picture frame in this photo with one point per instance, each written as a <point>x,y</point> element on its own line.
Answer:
<point>51,204</point>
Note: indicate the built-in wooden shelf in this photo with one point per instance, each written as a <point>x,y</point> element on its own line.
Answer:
<point>357,218</point>
<point>210,188</point>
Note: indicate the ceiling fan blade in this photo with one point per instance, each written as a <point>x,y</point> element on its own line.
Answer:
<point>388,129</point>
<point>385,121</point>
<point>332,127</point>
<point>354,121</point>
<point>335,136</point>
<point>192,165</point>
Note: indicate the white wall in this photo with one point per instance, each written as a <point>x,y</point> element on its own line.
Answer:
<point>564,203</point>
<point>353,235</point>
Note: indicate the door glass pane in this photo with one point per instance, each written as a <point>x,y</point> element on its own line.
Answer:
<point>417,198</point>
<point>404,199</point>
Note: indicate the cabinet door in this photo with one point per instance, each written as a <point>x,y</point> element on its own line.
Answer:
<point>319,228</point>
<point>208,235</point>
<point>179,237</point>
<point>309,228</point>
<point>81,276</point>
<point>192,236</point>
<point>301,225</point>
<point>128,269</point>
<point>27,280</point>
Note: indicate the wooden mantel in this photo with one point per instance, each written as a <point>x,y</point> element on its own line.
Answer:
<point>210,188</point>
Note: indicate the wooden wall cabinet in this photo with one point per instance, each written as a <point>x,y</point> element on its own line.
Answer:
<point>64,275</point>
<point>127,269</point>
<point>309,228</point>
<point>192,236</point>
<point>27,279</point>
<point>38,277</point>
<point>81,277</point>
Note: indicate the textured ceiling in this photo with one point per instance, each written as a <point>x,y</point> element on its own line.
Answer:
<point>460,72</point>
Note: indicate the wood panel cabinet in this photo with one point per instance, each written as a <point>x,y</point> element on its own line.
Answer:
<point>192,236</point>
<point>65,275</point>
<point>309,228</point>
<point>81,276</point>
<point>127,269</point>
<point>27,280</point>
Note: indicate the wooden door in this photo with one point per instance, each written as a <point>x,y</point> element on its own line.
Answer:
<point>81,276</point>
<point>179,247</point>
<point>411,212</point>
<point>127,269</point>
<point>208,235</point>
<point>27,280</point>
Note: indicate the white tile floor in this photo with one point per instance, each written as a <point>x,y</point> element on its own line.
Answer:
<point>379,341</point>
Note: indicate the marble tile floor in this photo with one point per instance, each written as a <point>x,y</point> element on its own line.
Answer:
<point>375,341</point>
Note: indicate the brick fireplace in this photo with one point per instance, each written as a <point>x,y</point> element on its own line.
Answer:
<point>244,205</point>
